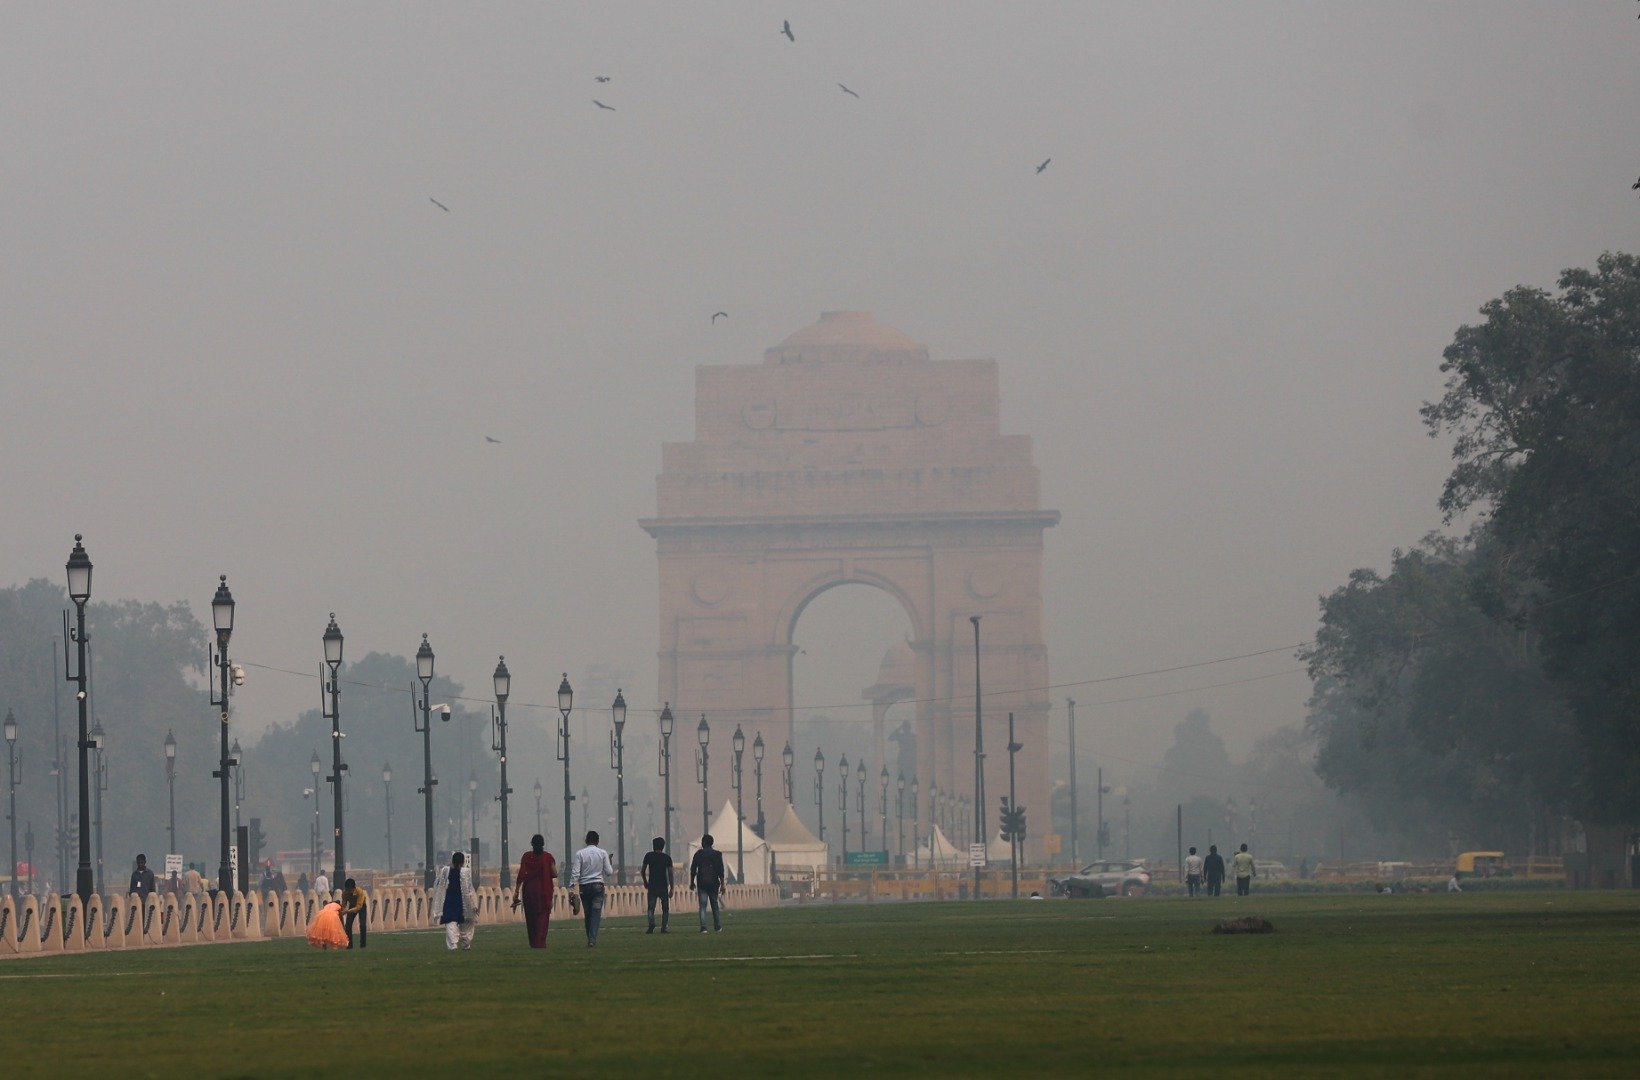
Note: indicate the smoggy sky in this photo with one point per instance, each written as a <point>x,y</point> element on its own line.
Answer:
<point>237,336</point>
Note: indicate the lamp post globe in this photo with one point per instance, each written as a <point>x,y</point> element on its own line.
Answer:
<point>11,733</point>
<point>502,680</point>
<point>424,661</point>
<point>703,731</point>
<point>79,573</point>
<point>333,643</point>
<point>566,696</point>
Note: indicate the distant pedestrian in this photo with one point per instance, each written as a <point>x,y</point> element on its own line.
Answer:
<point>706,877</point>
<point>1193,872</point>
<point>279,884</point>
<point>657,882</point>
<point>302,882</point>
<point>142,880</point>
<point>587,872</point>
<point>321,886</point>
<point>1213,870</point>
<point>172,886</point>
<point>1246,871</point>
<point>536,872</point>
<point>355,905</point>
<point>458,910</point>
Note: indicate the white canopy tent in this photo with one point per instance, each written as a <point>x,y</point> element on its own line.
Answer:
<point>723,839</point>
<point>794,847</point>
<point>938,851</point>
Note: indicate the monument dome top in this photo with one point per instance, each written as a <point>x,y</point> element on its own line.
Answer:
<point>847,335</point>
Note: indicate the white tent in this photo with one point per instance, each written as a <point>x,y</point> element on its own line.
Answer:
<point>794,847</point>
<point>723,839</point>
<point>938,851</point>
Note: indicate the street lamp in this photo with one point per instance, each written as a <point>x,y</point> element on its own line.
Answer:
<point>14,776</point>
<point>222,608</point>
<point>786,759</point>
<point>842,801</point>
<point>422,717</point>
<point>617,761</point>
<point>314,850</point>
<point>566,701</point>
<point>387,790</point>
<point>737,742</point>
<point>79,591</point>
<point>916,827</point>
<point>333,713</point>
<point>820,790</point>
<point>882,807</point>
<point>703,734</point>
<point>979,758</point>
<point>757,769</point>
<point>860,804</point>
<point>171,785</point>
<point>666,771</point>
<point>501,681</point>
<point>472,797</point>
<point>236,755</point>
<point>899,815</point>
<point>99,743</point>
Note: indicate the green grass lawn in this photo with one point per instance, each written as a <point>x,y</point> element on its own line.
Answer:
<point>1527,983</point>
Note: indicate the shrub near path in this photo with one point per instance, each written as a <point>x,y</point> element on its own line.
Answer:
<point>1404,984</point>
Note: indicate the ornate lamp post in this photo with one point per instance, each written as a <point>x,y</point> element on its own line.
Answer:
<point>757,769</point>
<point>820,790</point>
<point>666,772</point>
<point>842,800</point>
<point>703,734</point>
<point>387,791</point>
<point>99,743</point>
<point>424,725</point>
<point>502,682</point>
<point>882,807</point>
<point>315,849</point>
<point>916,828</point>
<point>332,711</point>
<point>737,743</point>
<point>979,758</point>
<point>472,798</point>
<point>860,804</point>
<point>237,756</point>
<point>566,701</point>
<point>171,786</point>
<point>222,607</point>
<point>617,761</point>
<point>79,591</point>
<point>786,759</point>
<point>14,776</point>
<point>899,815</point>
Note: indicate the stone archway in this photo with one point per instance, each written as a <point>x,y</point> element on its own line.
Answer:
<point>849,456</point>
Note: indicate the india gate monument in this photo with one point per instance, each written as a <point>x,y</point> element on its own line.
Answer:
<point>849,456</point>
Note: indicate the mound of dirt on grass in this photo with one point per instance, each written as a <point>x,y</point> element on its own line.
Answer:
<point>1247,924</point>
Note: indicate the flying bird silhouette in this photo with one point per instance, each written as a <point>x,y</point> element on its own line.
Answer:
<point>1044,164</point>
<point>601,78</point>
<point>490,440</point>
<point>438,204</point>
<point>846,90</point>
<point>715,315</point>
<point>601,105</point>
<point>786,28</point>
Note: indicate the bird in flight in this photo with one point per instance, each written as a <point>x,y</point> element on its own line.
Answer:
<point>601,105</point>
<point>846,90</point>
<point>438,204</point>
<point>1044,164</point>
<point>715,315</point>
<point>786,28</point>
<point>490,440</point>
<point>600,78</point>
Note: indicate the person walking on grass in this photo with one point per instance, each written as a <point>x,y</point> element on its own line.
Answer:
<point>458,903</point>
<point>657,882</point>
<point>588,871</point>
<point>706,877</point>
<point>1245,871</point>
<point>1193,872</point>
<point>355,906</point>
<point>536,872</point>
<point>1213,870</point>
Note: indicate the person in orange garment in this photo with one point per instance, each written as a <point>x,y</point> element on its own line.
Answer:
<point>536,871</point>
<point>325,931</point>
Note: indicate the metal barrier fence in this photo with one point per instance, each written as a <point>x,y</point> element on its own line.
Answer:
<point>63,925</point>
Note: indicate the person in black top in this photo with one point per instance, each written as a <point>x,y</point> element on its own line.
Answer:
<point>1213,868</point>
<point>142,880</point>
<point>657,879</point>
<point>706,878</point>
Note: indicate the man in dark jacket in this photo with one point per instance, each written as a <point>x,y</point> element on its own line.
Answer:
<point>142,880</point>
<point>1213,869</point>
<point>707,879</point>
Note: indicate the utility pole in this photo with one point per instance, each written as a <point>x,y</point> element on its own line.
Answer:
<point>979,756</point>
<point>1014,839</point>
<point>1070,706</point>
<point>1099,825</point>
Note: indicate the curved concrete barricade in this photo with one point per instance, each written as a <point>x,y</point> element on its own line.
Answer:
<point>113,925</point>
<point>48,925</point>
<point>187,917</point>
<point>220,926</point>
<point>72,934</point>
<point>169,920</point>
<point>271,926</point>
<point>94,923</point>
<point>8,927</point>
<point>30,936</point>
<point>131,926</point>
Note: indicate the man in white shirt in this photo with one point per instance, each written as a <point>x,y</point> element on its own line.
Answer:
<point>587,872</point>
<point>1193,872</point>
<point>321,887</point>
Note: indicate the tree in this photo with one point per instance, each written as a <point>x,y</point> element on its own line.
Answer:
<point>1542,400</point>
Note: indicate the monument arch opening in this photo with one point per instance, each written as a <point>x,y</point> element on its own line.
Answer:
<point>850,456</point>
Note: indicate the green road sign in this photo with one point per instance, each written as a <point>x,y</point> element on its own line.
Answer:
<point>866,858</point>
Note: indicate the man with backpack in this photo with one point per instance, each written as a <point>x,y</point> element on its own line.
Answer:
<point>706,877</point>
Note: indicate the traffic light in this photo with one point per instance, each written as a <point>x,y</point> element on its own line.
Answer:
<point>1006,820</point>
<point>256,840</point>
<point>1019,823</point>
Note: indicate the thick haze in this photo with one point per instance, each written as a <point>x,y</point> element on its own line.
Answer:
<point>237,336</point>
